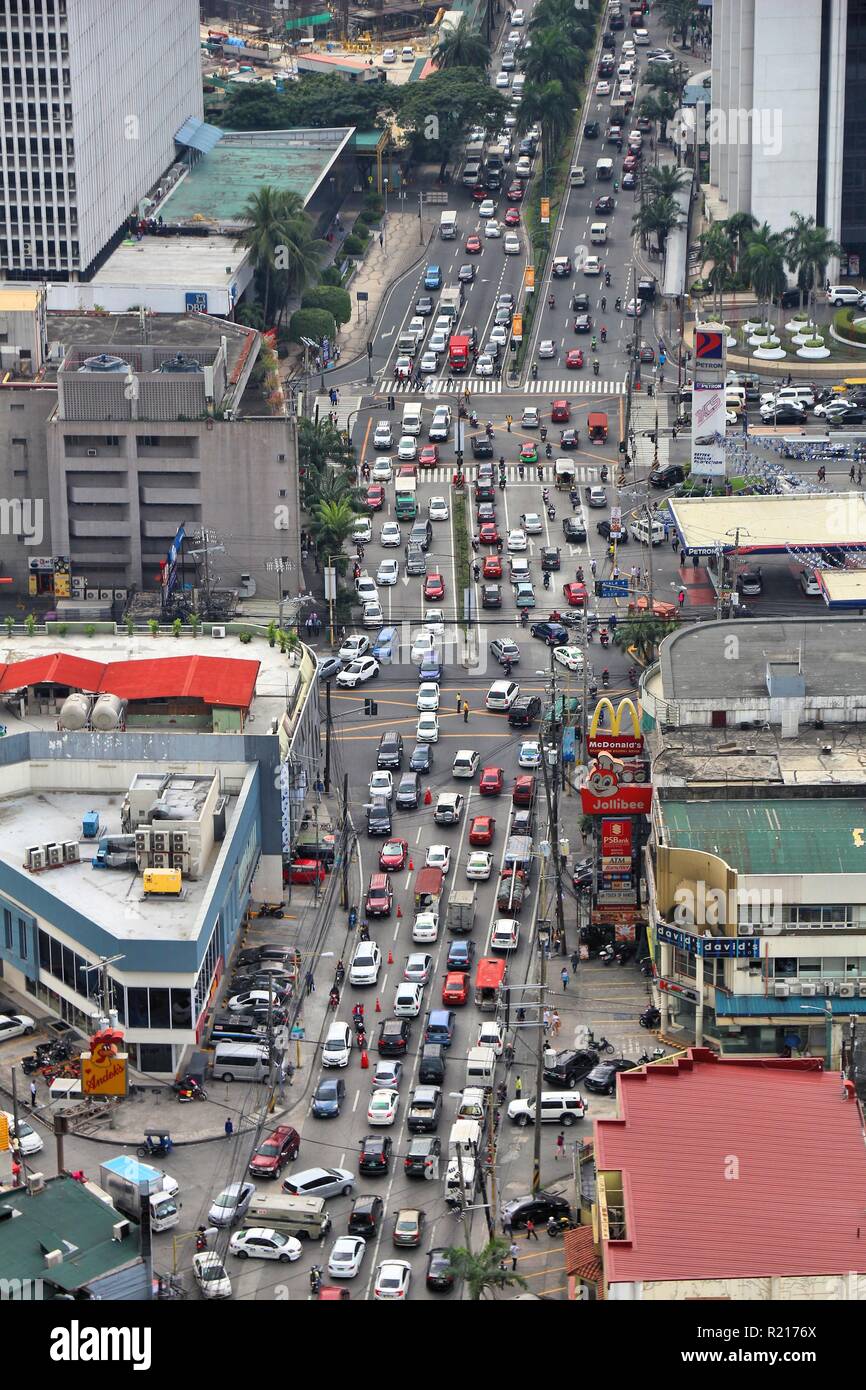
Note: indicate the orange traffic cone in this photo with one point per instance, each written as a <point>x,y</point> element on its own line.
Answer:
<point>378,1006</point>
<point>399,911</point>
<point>390,956</point>
<point>365,1060</point>
<point>428,797</point>
<point>411,865</point>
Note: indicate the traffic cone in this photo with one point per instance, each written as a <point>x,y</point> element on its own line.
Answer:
<point>428,797</point>
<point>378,1009</point>
<point>365,1061</point>
<point>411,865</point>
<point>399,911</point>
<point>390,957</point>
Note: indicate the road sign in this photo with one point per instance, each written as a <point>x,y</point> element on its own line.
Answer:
<point>362,294</point>
<point>614,588</point>
<point>529,279</point>
<point>517,328</point>
<point>545,210</point>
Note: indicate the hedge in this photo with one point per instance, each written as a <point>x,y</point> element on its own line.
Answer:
<point>330,298</point>
<point>353,245</point>
<point>843,322</point>
<point>312,323</point>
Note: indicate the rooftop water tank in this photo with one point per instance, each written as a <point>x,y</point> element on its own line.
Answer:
<point>105,363</point>
<point>75,711</point>
<point>108,712</point>
<point>180,363</point>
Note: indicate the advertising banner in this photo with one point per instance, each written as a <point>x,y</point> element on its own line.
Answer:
<point>618,740</point>
<point>708,430</point>
<point>616,839</point>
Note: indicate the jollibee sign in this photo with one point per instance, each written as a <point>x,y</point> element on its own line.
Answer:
<point>616,788</point>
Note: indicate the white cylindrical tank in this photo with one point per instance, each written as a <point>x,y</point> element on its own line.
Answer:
<point>108,712</point>
<point>75,711</point>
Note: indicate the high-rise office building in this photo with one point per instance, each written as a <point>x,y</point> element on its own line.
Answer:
<point>92,96</point>
<point>789,131</point>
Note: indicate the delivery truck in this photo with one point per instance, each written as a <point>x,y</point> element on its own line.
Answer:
<point>448,225</point>
<point>461,910</point>
<point>464,1143</point>
<point>128,1182</point>
<point>428,889</point>
<point>458,353</point>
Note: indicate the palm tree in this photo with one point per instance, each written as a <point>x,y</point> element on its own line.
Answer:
<point>808,251</point>
<point>717,246</point>
<point>331,526</point>
<point>764,263</point>
<point>680,15</point>
<point>739,227</point>
<point>553,57</point>
<point>321,443</point>
<point>279,236</point>
<point>298,257</point>
<point>547,105</point>
<point>484,1271</point>
<point>461,48</point>
<point>657,218</point>
<point>660,108</point>
<point>642,635</point>
<point>265,213</point>
<point>664,180</point>
<point>562,17</point>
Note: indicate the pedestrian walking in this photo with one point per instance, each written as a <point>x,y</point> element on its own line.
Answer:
<point>521,1015</point>
<point>16,1175</point>
<point>681,597</point>
<point>506,1224</point>
<point>513,1252</point>
<point>575,961</point>
<point>682,558</point>
<point>860,476</point>
<point>518,1088</point>
<point>563,975</point>
<point>555,1024</point>
<point>32,1095</point>
<point>229,1128</point>
<point>593,565</point>
<point>560,1145</point>
<point>851,473</point>
<point>465,712</point>
<point>531,1232</point>
<point>459,702</point>
<point>545,1019</point>
<point>310,982</point>
<point>508,422</point>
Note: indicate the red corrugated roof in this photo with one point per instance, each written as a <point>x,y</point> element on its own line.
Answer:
<point>582,1259</point>
<point>215,680</point>
<point>735,1168</point>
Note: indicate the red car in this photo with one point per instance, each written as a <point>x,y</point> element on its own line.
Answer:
<point>575,594</point>
<point>332,1293</point>
<point>379,896</point>
<point>306,871</point>
<point>434,586</point>
<point>488,534</point>
<point>479,193</point>
<point>456,988</point>
<point>473,246</point>
<point>273,1153</point>
<point>560,411</point>
<point>512,218</point>
<point>523,791</point>
<point>574,357</point>
<point>375,497</point>
<point>629,163</point>
<point>481,830</point>
<point>491,783</point>
<point>429,456</point>
<point>394,855</point>
<point>492,567</point>
<point>515,193</point>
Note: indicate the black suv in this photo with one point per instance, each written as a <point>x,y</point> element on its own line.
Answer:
<point>379,818</point>
<point>422,758</point>
<point>421,534</point>
<point>390,753</point>
<point>570,1067</point>
<point>603,529</point>
<point>554,634</point>
<point>408,792</point>
<point>491,596</point>
<point>524,711</point>
<point>375,1157</point>
<point>573,528</point>
<point>580,303</point>
<point>394,1037</point>
<point>667,476</point>
<point>482,447</point>
<point>591,130</point>
<point>550,557</point>
<point>422,1154</point>
<point>367,1211</point>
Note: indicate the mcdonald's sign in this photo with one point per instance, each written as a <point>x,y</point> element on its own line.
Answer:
<point>616,740</point>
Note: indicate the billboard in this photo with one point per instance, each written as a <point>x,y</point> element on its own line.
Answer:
<point>616,839</point>
<point>618,740</point>
<point>708,429</point>
<point>615,788</point>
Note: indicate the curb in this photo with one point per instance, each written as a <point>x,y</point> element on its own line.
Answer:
<point>362,356</point>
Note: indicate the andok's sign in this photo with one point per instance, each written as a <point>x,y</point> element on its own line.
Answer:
<point>618,741</point>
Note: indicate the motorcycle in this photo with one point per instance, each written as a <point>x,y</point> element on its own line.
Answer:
<point>535,371</point>
<point>506,667</point>
<point>488,429</point>
<point>551,302</point>
<point>650,1018</point>
<point>524,618</point>
<point>520,470</point>
<point>604,637</point>
<point>599,1044</point>
<point>551,512</point>
<point>574,497</point>
<point>189,1089</point>
<point>607,278</point>
<point>595,365</point>
<point>605,678</point>
<point>654,1056</point>
<point>604,475</point>
<point>476,571</point>
<point>546,579</point>
<point>339,974</point>
<point>543,433</point>
<point>557,1224</point>
<point>603,335</point>
<point>473,419</point>
<point>617,305</point>
<point>579,575</point>
<point>502,481</point>
<point>548,451</point>
<point>334,999</point>
<point>315,1280</point>
<point>632,677</point>
<point>607,955</point>
<point>545,495</point>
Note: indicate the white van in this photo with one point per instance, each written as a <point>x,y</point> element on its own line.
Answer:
<point>241,1062</point>
<point>411,419</point>
<point>598,233</point>
<point>471,173</point>
<point>480,1066</point>
<point>735,398</point>
<point>604,169</point>
<point>789,395</point>
<point>448,225</point>
<point>641,38</point>
<point>554,1108</point>
<point>644,534</point>
<point>577,177</point>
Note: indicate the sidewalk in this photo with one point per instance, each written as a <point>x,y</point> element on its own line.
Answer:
<point>404,245</point>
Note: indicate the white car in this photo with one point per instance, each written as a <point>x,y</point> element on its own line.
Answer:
<point>434,618</point>
<point>824,407</point>
<point>381,784</point>
<point>14,1025</point>
<point>383,437</point>
<point>546,349</point>
<point>427,728</point>
<point>518,19</point>
<point>365,964</point>
<point>511,245</point>
<point>503,79</point>
<point>530,754</point>
<point>484,365</point>
<point>492,228</point>
<point>425,927</point>
<point>465,763</point>
<point>388,573</point>
<point>438,857</point>
<point>210,1275</point>
<point>532,524</point>
<point>530,419</point>
<point>479,865</point>
<point>417,326</point>
<point>429,363</point>
<point>337,1047</point>
<point>634,308</point>
<point>602,88</point>
<point>428,696</point>
<point>502,694</point>
<point>486,208</point>
<point>569,657</point>
<point>390,535</point>
<point>393,1278</point>
<point>365,588</point>
<point>403,367</point>
<point>407,449</point>
<point>510,122</point>
<point>382,471</point>
<point>357,672</point>
<point>499,334</point>
<point>389,55</point>
<point>490,1035</point>
<point>346,1257</point>
<point>422,642</point>
<point>383,1107</point>
<point>592,266</point>
<point>29,1142</point>
<point>407,1000</point>
<point>261,1243</point>
<point>505,934</point>
<point>437,509</point>
<point>626,87</point>
<point>523,167</point>
<point>372,615</point>
<point>417,968</point>
<point>440,424</point>
<point>516,540</point>
<point>438,341</point>
<point>362,530</point>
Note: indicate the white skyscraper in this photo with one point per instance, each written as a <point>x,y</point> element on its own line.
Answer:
<point>92,95</point>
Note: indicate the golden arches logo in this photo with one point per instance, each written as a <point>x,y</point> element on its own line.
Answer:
<point>625,707</point>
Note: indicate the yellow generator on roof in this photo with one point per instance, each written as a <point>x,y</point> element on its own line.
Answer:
<point>166,883</point>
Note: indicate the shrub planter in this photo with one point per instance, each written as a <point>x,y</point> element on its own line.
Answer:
<point>813,350</point>
<point>770,354</point>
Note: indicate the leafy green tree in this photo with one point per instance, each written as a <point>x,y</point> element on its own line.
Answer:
<point>336,301</point>
<point>436,114</point>
<point>331,526</point>
<point>251,315</point>
<point>315,101</point>
<point>311,323</point>
<point>461,47</point>
<point>681,16</point>
<point>658,219</point>
<point>661,108</point>
<point>549,106</point>
<point>255,106</point>
<point>485,1271</point>
<point>642,635</point>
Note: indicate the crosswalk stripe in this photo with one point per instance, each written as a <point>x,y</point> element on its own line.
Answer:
<point>440,386</point>
<point>570,387</point>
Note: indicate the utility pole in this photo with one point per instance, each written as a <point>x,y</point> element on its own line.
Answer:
<point>344,841</point>
<point>15,1145</point>
<point>542,938</point>
<point>327,737</point>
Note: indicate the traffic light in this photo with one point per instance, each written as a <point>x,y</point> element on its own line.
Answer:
<point>371,708</point>
<point>513,345</point>
<point>621,446</point>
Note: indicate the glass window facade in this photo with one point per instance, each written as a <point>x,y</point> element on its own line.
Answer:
<point>853,235</point>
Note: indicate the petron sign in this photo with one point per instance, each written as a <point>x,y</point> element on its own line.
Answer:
<point>716,947</point>
<point>616,788</point>
<point>617,741</point>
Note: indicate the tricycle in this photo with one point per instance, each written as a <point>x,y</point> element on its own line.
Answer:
<point>157,1144</point>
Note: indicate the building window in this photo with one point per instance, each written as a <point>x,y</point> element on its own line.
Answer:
<point>22,938</point>
<point>181,1008</point>
<point>137,1011</point>
<point>160,1016</point>
<point>7,928</point>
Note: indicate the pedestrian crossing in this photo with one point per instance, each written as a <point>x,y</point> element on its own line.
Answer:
<point>484,385</point>
<point>584,473</point>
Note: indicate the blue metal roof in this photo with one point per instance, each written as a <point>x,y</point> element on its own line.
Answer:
<point>198,135</point>
<point>759,1006</point>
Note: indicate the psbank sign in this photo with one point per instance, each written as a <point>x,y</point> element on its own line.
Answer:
<point>619,740</point>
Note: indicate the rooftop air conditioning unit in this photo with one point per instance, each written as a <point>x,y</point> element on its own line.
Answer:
<point>92,595</point>
<point>71,852</point>
<point>861,990</point>
<point>36,1183</point>
<point>160,861</point>
<point>36,857</point>
<point>217,632</point>
<point>121,595</point>
<point>180,841</point>
<point>781,989</point>
<point>180,861</point>
<point>808,991</point>
<point>162,840</point>
<point>142,841</point>
<point>745,929</point>
<point>106,595</point>
<point>846,991</point>
<point>830,987</point>
<point>55,854</point>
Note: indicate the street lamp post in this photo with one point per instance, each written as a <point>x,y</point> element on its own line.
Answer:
<point>542,939</point>
<point>385,217</point>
